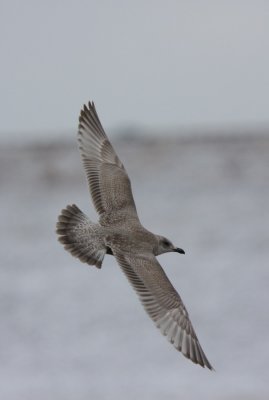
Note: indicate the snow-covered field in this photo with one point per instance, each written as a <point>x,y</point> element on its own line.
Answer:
<point>70,331</point>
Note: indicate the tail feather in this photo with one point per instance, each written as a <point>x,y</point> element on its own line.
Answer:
<point>81,237</point>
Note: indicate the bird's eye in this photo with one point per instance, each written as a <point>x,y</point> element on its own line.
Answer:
<point>166,242</point>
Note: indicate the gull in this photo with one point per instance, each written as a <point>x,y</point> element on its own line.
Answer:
<point>121,234</point>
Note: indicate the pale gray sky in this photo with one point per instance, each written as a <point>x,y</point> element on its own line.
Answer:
<point>148,62</point>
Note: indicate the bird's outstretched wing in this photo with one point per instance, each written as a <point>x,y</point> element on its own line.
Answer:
<point>109,184</point>
<point>162,303</point>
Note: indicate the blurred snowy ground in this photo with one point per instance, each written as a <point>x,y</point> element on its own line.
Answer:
<point>70,331</point>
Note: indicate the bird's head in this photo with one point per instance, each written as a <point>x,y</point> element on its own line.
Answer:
<point>165,246</point>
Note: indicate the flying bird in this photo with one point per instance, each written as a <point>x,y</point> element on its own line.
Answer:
<point>121,234</point>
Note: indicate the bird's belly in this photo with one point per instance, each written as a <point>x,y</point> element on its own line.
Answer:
<point>131,241</point>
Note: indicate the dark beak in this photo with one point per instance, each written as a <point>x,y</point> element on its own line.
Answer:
<point>178,250</point>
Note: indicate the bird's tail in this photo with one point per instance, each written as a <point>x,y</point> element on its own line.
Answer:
<point>81,237</point>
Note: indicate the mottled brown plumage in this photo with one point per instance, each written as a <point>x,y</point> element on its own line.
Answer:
<point>120,233</point>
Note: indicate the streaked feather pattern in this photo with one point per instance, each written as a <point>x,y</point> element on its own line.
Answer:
<point>162,303</point>
<point>109,183</point>
<point>120,233</point>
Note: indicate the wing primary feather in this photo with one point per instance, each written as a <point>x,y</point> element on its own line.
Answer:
<point>162,303</point>
<point>108,181</point>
